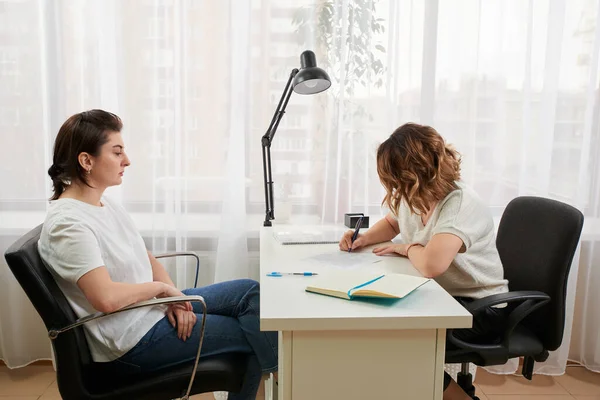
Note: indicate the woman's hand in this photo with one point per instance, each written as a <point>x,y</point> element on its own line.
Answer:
<point>182,319</point>
<point>181,315</point>
<point>170,291</point>
<point>346,241</point>
<point>399,249</point>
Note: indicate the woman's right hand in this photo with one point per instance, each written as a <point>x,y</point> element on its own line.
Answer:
<point>181,319</point>
<point>346,241</point>
<point>180,315</point>
<point>170,291</point>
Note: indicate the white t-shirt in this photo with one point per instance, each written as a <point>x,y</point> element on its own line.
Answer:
<point>475,273</point>
<point>78,237</point>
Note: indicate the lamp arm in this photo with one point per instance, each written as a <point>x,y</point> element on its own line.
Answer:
<point>279,111</point>
<point>266,148</point>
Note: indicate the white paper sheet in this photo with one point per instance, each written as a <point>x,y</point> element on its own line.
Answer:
<point>343,259</point>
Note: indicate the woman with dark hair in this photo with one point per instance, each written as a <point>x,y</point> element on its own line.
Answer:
<point>448,231</point>
<point>100,262</point>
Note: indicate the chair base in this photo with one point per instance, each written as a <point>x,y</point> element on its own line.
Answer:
<point>465,381</point>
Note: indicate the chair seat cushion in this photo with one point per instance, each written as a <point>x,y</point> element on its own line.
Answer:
<point>216,373</point>
<point>522,343</point>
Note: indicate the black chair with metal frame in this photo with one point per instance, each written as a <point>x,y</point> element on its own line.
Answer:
<point>78,376</point>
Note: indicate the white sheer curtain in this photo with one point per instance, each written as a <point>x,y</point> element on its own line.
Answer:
<point>512,84</point>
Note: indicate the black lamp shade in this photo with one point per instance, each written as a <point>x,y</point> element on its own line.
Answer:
<point>310,79</point>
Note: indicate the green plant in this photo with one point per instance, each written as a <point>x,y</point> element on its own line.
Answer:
<point>345,42</point>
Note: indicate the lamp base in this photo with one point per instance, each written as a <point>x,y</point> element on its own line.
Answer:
<point>267,223</point>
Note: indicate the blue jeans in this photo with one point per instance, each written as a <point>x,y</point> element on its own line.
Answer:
<point>232,325</point>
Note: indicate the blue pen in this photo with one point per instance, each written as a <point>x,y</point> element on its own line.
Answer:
<point>292,273</point>
<point>356,229</point>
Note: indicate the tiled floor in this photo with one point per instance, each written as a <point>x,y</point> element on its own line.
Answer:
<point>37,382</point>
<point>577,384</point>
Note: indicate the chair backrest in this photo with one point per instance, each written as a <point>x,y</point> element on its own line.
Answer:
<point>537,239</point>
<point>71,350</point>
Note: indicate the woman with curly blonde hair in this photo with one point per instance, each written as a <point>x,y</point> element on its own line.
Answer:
<point>447,230</point>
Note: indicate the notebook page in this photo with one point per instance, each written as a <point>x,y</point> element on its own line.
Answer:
<point>398,285</point>
<point>342,281</point>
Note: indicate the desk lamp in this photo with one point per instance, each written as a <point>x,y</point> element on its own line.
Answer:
<point>310,79</point>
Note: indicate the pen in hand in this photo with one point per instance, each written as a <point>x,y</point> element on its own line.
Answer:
<point>356,229</point>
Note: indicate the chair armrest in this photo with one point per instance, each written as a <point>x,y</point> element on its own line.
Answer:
<point>53,333</point>
<point>185,254</point>
<point>509,297</point>
<point>530,301</point>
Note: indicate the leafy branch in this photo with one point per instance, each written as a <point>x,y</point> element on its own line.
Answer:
<point>344,40</point>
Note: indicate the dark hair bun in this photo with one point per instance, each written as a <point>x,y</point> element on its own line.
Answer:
<point>55,171</point>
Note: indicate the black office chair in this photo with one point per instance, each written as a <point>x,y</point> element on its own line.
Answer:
<point>537,239</point>
<point>79,378</point>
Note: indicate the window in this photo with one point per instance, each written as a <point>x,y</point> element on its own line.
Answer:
<point>159,59</point>
<point>193,151</point>
<point>192,123</point>
<point>156,28</point>
<point>8,62</point>
<point>157,150</point>
<point>281,25</point>
<point>195,92</point>
<point>300,190</point>
<point>488,107</point>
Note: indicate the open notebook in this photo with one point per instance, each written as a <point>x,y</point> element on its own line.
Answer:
<point>352,284</point>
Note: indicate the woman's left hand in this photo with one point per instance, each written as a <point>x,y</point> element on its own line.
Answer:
<point>183,319</point>
<point>399,249</point>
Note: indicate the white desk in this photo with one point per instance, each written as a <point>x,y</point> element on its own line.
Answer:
<point>331,348</point>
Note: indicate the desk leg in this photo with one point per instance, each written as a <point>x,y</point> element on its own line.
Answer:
<point>383,365</point>
<point>285,366</point>
<point>440,356</point>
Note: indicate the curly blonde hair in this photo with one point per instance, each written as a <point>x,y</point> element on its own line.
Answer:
<point>416,165</point>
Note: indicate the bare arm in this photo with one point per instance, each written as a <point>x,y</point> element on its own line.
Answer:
<point>180,315</point>
<point>435,258</point>
<point>107,296</point>
<point>159,273</point>
<point>384,230</point>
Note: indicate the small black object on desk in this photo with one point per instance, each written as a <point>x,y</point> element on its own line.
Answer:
<point>350,220</point>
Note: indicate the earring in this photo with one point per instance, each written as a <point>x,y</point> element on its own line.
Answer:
<point>89,171</point>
